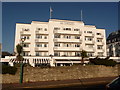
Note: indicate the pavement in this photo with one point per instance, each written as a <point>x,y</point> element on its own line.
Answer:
<point>57,84</point>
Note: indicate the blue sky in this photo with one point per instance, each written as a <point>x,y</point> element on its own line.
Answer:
<point>100,14</point>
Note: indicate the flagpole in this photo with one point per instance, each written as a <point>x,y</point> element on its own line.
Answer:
<point>81,16</point>
<point>50,12</point>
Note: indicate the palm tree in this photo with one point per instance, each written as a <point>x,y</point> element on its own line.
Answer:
<point>19,50</point>
<point>83,55</point>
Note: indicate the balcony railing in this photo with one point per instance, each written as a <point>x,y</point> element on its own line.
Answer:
<point>67,48</point>
<point>41,40</point>
<point>41,32</point>
<point>67,40</point>
<point>67,32</point>
<point>25,32</point>
<point>41,48</point>
<point>26,48</point>
<point>90,42</point>
<point>89,49</point>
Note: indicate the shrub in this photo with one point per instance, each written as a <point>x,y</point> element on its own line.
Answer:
<point>100,61</point>
<point>18,64</point>
<point>8,69</point>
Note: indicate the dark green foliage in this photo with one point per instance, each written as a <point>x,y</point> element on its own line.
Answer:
<point>100,61</point>
<point>19,50</point>
<point>83,55</point>
<point>4,53</point>
<point>8,69</point>
<point>25,65</point>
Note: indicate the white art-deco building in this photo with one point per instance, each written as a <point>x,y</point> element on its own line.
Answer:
<point>113,44</point>
<point>60,38</point>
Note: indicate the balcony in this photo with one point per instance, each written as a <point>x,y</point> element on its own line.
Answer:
<point>90,42</point>
<point>26,49</point>
<point>41,40</point>
<point>41,32</point>
<point>67,48</point>
<point>41,48</point>
<point>25,32</point>
<point>27,41</point>
<point>89,34</point>
<point>68,32</point>
<point>100,50</point>
<point>67,40</point>
<point>100,36</point>
<point>89,49</point>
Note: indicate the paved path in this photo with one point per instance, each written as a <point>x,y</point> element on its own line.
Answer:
<point>56,84</point>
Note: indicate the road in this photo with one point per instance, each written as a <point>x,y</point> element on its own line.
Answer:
<point>77,84</point>
<point>75,87</point>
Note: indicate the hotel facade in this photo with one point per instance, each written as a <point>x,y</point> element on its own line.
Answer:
<point>60,38</point>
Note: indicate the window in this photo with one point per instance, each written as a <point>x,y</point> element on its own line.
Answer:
<point>77,37</point>
<point>76,29</point>
<point>39,28</point>
<point>99,47</point>
<point>88,38</point>
<point>56,36</point>
<point>77,53</point>
<point>45,45</point>
<point>100,53</point>
<point>67,29</point>
<point>38,45</point>
<point>89,46</point>
<point>56,53</point>
<point>68,37</point>
<point>57,44</point>
<point>38,54</point>
<point>45,53</point>
<point>89,31</point>
<point>39,36</point>
<point>26,45</point>
<point>45,29</point>
<point>25,53</point>
<point>26,37</point>
<point>25,29</point>
<point>99,40</point>
<point>66,45</point>
<point>98,33</point>
<point>56,28</point>
<point>45,37</point>
<point>90,54</point>
<point>77,45</point>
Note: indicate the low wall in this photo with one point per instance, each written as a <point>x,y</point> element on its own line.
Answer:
<point>32,74</point>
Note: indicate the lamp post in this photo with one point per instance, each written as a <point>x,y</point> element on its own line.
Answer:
<point>21,62</point>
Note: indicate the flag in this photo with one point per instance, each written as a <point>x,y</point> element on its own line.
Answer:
<point>51,9</point>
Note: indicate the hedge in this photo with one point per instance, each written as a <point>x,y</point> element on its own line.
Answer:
<point>100,61</point>
<point>8,69</point>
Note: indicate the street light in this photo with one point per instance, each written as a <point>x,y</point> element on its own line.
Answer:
<point>21,62</point>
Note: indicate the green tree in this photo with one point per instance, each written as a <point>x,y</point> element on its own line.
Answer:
<point>83,55</point>
<point>19,57</point>
<point>19,50</point>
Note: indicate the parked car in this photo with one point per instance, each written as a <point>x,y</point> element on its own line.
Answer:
<point>114,85</point>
